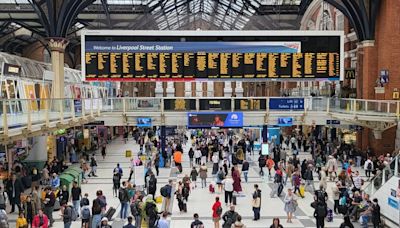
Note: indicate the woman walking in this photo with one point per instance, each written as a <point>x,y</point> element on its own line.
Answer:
<point>203,175</point>
<point>290,205</point>
<point>237,186</point>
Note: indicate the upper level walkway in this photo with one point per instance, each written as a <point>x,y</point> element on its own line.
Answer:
<point>23,118</point>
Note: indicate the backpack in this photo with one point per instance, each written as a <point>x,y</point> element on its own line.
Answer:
<point>164,191</point>
<point>369,166</point>
<point>220,175</point>
<point>219,211</point>
<point>343,201</point>
<point>150,212</point>
<point>85,213</point>
<point>135,208</point>
<point>320,196</point>
<point>96,209</point>
<point>74,215</point>
<point>121,194</point>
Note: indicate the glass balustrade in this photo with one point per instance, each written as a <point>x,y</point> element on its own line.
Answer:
<point>19,113</point>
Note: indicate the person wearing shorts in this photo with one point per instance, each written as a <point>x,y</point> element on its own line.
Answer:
<point>215,216</point>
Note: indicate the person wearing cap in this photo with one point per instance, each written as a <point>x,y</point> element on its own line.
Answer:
<point>129,225</point>
<point>104,223</point>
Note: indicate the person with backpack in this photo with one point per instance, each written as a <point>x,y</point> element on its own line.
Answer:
<point>196,223</point>
<point>85,216</point>
<point>245,169</point>
<point>97,207</point>
<point>368,167</point>
<point>166,193</point>
<point>320,212</point>
<point>191,156</point>
<point>220,178</point>
<point>123,197</point>
<point>136,210</point>
<point>229,217</point>
<point>217,212</point>
<point>151,212</point>
<point>69,215</point>
<point>193,176</point>
<point>256,203</point>
<point>261,164</point>
<point>93,167</point>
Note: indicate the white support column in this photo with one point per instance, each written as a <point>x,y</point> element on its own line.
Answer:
<point>239,89</point>
<point>188,89</point>
<point>170,89</point>
<point>228,89</point>
<point>210,89</point>
<point>159,90</point>
<point>199,89</point>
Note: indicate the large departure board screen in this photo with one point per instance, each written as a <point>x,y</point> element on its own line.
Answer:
<point>172,56</point>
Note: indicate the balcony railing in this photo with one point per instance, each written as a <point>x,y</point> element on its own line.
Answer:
<point>25,113</point>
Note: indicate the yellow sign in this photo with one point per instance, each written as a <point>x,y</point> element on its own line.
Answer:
<point>350,74</point>
<point>396,95</point>
<point>180,104</point>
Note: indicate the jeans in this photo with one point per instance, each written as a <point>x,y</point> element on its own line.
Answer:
<point>96,220</point>
<point>76,204</point>
<point>256,211</point>
<point>49,212</point>
<point>203,183</point>
<point>228,197</point>
<point>368,173</point>
<point>67,225</point>
<point>138,221</point>
<point>245,175</point>
<point>124,210</point>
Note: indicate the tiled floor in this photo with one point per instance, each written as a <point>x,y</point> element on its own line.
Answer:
<point>200,200</point>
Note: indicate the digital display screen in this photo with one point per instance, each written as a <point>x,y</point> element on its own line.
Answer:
<point>285,121</point>
<point>265,149</point>
<point>215,119</point>
<point>168,58</point>
<point>143,122</point>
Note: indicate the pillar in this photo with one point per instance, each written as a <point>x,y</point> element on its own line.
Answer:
<point>170,89</point>
<point>163,137</point>
<point>367,70</point>
<point>228,89</point>
<point>159,90</point>
<point>57,47</point>
<point>188,89</point>
<point>239,89</point>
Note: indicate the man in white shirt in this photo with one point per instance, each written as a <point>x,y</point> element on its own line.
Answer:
<point>228,188</point>
<point>357,181</point>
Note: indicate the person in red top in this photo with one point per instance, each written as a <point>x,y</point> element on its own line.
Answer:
<point>40,220</point>
<point>217,211</point>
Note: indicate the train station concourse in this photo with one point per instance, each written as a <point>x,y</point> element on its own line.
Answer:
<point>199,113</point>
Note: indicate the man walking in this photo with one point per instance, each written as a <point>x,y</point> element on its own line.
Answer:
<point>76,193</point>
<point>256,202</point>
<point>14,189</point>
<point>123,199</point>
<point>49,201</point>
<point>166,193</point>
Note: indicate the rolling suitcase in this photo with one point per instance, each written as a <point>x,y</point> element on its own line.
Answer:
<point>110,213</point>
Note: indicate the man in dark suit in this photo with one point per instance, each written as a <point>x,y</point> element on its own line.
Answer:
<point>14,190</point>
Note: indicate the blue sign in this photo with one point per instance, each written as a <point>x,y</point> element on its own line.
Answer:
<point>143,122</point>
<point>334,122</point>
<point>78,107</point>
<point>285,121</point>
<point>393,203</point>
<point>295,104</point>
<point>215,119</point>
<point>274,133</point>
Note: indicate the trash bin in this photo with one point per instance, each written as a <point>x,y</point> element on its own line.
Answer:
<point>128,153</point>
<point>76,173</point>
<point>67,180</point>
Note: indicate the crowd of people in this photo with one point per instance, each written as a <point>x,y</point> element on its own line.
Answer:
<point>228,154</point>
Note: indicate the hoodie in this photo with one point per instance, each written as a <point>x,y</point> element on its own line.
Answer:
<point>238,224</point>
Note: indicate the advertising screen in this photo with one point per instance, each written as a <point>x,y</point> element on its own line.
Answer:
<point>144,122</point>
<point>215,119</point>
<point>285,121</point>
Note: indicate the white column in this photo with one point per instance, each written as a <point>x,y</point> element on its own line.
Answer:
<point>188,89</point>
<point>239,89</point>
<point>228,89</point>
<point>199,89</point>
<point>170,89</point>
<point>159,90</point>
<point>210,89</point>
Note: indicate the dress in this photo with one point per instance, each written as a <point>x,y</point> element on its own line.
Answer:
<point>237,187</point>
<point>290,206</point>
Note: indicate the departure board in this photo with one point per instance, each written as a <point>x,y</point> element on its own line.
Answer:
<point>299,57</point>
